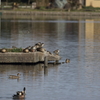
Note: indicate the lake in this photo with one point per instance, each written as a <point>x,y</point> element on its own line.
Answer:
<point>77,40</point>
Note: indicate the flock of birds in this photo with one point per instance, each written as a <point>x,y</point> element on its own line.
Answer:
<point>19,94</point>
<point>39,47</point>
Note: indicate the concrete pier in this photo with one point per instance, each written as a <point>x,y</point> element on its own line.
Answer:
<point>31,57</point>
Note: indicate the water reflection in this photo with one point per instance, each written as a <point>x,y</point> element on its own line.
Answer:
<point>25,70</point>
<point>77,39</point>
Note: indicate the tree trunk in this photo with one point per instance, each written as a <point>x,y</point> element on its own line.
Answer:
<point>6,2</point>
<point>28,2</point>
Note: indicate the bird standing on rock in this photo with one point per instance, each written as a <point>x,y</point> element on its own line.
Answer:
<point>29,47</point>
<point>39,45</point>
<point>56,52</point>
<point>42,44</point>
<point>33,49</point>
<point>26,50</point>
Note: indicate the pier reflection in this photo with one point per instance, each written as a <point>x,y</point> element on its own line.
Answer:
<point>27,71</point>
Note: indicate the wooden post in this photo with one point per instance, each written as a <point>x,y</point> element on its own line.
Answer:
<point>57,61</point>
<point>45,61</point>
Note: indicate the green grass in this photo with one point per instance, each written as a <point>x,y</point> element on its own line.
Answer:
<point>84,9</point>
<point>91,9</point>
<point>15,50</point>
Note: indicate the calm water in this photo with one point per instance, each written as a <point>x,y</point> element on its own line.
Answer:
<point>78,40</point>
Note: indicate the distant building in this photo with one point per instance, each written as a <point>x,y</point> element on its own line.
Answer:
<point>61,3</point>
<point>94,3</point>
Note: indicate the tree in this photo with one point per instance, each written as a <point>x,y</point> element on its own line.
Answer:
<point>74,3</point>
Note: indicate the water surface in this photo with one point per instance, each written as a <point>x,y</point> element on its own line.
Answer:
<point>77,39</point>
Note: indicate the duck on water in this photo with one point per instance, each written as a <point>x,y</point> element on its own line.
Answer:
<point>15,76</point>
<point>20,94</point>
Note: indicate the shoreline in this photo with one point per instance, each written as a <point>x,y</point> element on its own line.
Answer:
<point>50,13</point>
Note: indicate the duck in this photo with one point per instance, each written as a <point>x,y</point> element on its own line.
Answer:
<point>26,50</point>
<point>14,47</point>
<point>56,52</point>
<point>41,50</point>
<point>42,44</point>
<point>67,61</point>
<point>33,49</point>
<point>3,50</point>
<point>28,47</point>
<point>39,45</point>
<point>20,94</point>
<point>15,76</point>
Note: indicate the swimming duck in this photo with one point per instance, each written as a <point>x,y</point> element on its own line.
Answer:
<point>20,94</point>
<point>56,52</point>
<point>67,61</point>
<point>15,76</point>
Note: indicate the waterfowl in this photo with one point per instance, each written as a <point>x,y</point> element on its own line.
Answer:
<point>67,61</point>
<point>28,47</point>
<point>33,49</point>
<point>49,52</point>
<point>56,52</point>
<point>41,49</point>
<point>20,94</point>
<point>39,45</point>
<point>42,44</point>
<point>15,76</point>
<point>14,47</point>
<point>3,50</point>
<point>26,50</point>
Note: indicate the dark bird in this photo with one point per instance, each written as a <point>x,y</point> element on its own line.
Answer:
<point>20,94</point>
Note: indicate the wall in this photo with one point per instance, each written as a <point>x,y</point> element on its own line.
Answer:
<point>94,3</point>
